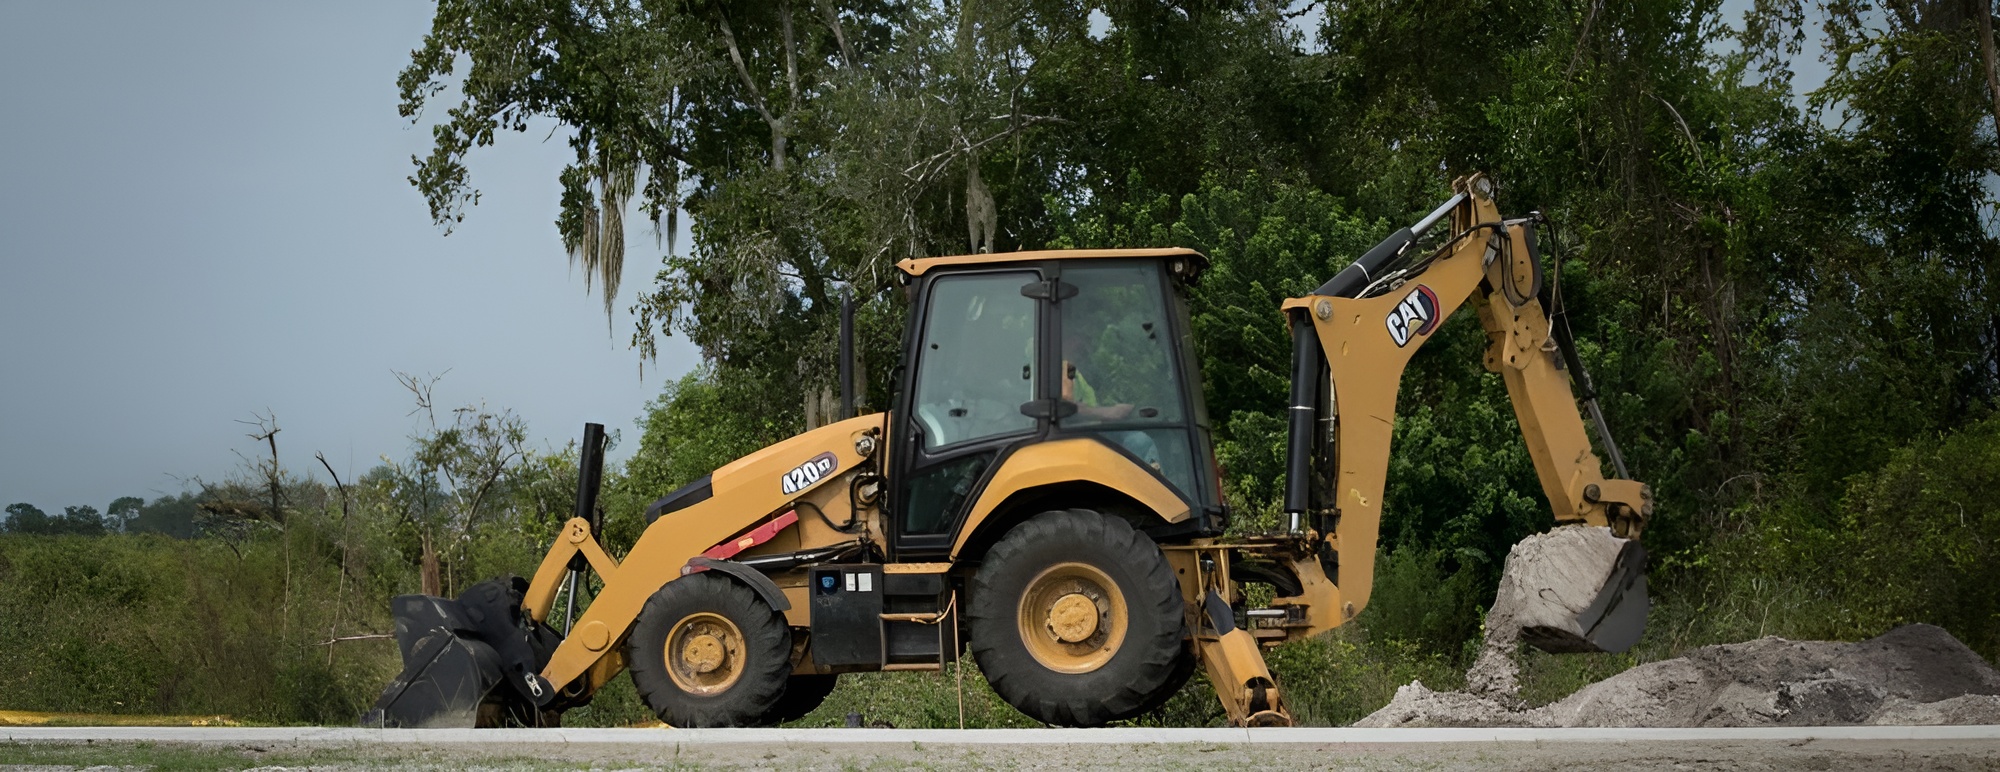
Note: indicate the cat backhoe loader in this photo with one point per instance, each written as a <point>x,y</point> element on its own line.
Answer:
<point>1042,492</point>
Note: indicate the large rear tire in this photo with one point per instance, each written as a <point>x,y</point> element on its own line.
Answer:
<point>1076,619</point>
<point>707,651</point>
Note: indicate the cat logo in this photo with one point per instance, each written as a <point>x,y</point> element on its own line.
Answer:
<point>1416,315</point>
<point>804,475</point>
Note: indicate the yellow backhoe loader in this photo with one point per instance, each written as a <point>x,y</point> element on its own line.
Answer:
<point>1042,492</point>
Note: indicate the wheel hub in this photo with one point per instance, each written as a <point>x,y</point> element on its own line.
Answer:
<point>704,653</point>
<point>1073,619</point>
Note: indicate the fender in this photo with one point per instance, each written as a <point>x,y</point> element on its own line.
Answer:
<point>765,588</point>
<point>1076,459</point>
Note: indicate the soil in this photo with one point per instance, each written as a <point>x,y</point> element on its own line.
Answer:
<point>1912,675</point>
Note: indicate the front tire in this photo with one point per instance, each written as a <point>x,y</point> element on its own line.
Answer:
<point>1076,619</point>
<point>706,651</point>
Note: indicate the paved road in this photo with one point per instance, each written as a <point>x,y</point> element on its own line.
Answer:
<point>1931,747</point>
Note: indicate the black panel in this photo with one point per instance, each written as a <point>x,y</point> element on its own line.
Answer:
<point>915,584</point>
<point>847,615</point>
<point>913,642</point>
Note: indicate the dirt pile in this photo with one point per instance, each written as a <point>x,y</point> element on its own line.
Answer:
<point>1916,674</point>
<point>1548,596</point>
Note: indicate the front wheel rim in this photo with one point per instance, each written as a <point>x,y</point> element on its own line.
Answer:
<point>704,654</point>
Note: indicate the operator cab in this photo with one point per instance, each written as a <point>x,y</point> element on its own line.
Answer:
<point>1011,350</point>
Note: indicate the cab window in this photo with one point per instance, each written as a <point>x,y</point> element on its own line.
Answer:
<point>976,363</point>
<point>1118,367</point>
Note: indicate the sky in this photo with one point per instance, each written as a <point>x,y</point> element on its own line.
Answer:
<point>204,214</point>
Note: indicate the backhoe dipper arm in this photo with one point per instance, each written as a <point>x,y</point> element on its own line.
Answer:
<point>1368,322</point>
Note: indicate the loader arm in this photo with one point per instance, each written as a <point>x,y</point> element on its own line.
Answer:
<point>1361,329</point>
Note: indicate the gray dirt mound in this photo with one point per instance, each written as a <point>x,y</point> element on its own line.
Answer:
<point>1916,674</point>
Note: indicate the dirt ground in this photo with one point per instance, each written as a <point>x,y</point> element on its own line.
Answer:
<point>1528,757</point>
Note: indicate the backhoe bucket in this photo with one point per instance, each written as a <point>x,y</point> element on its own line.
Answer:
<point>458,654</point>
<point>1574,589</point>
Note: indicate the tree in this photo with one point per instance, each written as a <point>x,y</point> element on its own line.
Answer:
<point>458,478</point>
<point>82,520</point>
<point>123,511</point>
<point>168,516</point>
<point>26,518</point>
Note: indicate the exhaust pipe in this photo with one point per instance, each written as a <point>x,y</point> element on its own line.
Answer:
<point>846,353</point>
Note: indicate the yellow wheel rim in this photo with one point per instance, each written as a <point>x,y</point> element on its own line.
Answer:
<point>704,654</point>
<point>1072,618</point>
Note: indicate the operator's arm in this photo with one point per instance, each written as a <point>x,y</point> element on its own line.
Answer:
<point>1078,390</point>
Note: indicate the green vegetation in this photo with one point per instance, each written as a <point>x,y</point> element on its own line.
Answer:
<point>1788,301</point>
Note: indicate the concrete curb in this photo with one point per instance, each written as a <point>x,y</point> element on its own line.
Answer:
<point>349,736</point>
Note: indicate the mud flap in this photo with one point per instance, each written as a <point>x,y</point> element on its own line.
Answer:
<point>459,654</point>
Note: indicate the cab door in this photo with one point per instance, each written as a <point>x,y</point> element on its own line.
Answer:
<point>976,341</point>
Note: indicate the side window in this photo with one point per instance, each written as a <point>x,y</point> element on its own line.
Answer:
<point>1117,348</point>
<point>976,364</point>
<point>938,494</point>
<point>1119,370</point>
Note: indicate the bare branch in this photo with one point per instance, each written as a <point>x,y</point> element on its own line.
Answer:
<point>1693,146</point>
<point>1989,58</point>
<point>791,54</point>
<point>743,72</point>
<point>831,14</point>
<point>939,161</point>
<point>369,637</point>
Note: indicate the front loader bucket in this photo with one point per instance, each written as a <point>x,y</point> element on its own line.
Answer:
<point>458,654</point>
<point>444,681</point>
<point>1574,589</point>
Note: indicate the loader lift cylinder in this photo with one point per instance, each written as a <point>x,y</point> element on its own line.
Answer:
<point>590,475</point>
<point>589,478</point>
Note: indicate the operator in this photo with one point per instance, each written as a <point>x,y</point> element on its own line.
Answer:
<point>1078,390</point>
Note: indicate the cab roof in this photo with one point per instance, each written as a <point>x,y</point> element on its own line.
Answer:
<point>1195,261</point>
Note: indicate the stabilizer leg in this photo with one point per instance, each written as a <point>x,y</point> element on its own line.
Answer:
<point>1236,667</point>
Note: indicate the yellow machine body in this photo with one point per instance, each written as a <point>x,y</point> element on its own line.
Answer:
<point>830,489</point>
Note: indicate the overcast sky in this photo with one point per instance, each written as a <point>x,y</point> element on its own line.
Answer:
<point>204,214</point>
